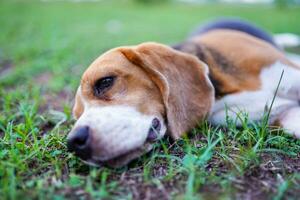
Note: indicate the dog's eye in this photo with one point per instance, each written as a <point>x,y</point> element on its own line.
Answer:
<point>103,84</point>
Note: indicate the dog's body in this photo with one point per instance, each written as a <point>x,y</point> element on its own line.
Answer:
<point>250,74</point>
<point>131,96</point>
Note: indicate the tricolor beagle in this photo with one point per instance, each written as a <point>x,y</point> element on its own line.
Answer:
<point>132,96</point>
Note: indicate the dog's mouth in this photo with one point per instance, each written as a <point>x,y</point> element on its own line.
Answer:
<point>154,131</point>
<point>122,159</point>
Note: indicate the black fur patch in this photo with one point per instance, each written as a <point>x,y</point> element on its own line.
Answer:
<point>220,62</point>
<point>191,48</point>
<point>238,25</point>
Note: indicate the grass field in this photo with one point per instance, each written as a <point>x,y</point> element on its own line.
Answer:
<point>44,48</point>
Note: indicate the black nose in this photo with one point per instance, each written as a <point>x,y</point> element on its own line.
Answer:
<point>79,142</point>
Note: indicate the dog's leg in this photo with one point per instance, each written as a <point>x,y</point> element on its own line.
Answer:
<point>285,113</point>
<point>290,121</point>
<point>289,87</point>
<point>254,104</point>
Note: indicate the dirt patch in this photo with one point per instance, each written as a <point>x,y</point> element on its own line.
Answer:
<point>56,101</point>
<point>259,182</point>
<point>43,78</point>
<point>6,66</point>
<point>52,100</point>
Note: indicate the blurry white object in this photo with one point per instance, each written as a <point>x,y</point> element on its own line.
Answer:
<point>287,40</point>
<point>294,58</point>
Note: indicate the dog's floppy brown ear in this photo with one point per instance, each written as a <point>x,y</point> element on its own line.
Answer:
<point>183,82</point>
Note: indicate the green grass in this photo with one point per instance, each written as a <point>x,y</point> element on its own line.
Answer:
<point>44,48</point>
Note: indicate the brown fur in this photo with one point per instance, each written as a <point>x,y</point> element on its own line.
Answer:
<point>132,86</point>
<point>186,92</point>
<point>235,59</point>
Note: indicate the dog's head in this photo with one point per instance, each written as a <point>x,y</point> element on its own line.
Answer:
<point>131,97</point>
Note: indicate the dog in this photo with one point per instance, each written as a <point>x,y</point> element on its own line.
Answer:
<point>132,96</point>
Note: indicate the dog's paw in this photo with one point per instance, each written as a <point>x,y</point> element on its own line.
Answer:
<point>291,121</point>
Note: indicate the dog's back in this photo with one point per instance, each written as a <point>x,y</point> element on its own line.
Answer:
<point>235,24</point>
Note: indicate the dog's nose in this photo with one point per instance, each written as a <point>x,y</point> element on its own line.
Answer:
<point>79,142</point>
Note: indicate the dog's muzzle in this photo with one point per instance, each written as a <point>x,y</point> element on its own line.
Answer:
<point>80,142</point>
<point>114,144</point>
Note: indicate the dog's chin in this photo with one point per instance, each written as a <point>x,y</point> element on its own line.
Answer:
<point>123,159</point>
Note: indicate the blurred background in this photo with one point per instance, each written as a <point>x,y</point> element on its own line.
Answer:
<point>49,43</point>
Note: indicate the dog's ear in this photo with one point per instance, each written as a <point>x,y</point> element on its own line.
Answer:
<point>78,105</point>
<point>182,80</point>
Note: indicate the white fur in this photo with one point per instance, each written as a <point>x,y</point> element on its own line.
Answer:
<point>287,39</point>
<point>115,129</point>
<point>290,84</point>
<point>255,102</point>
<point>290,120</point>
